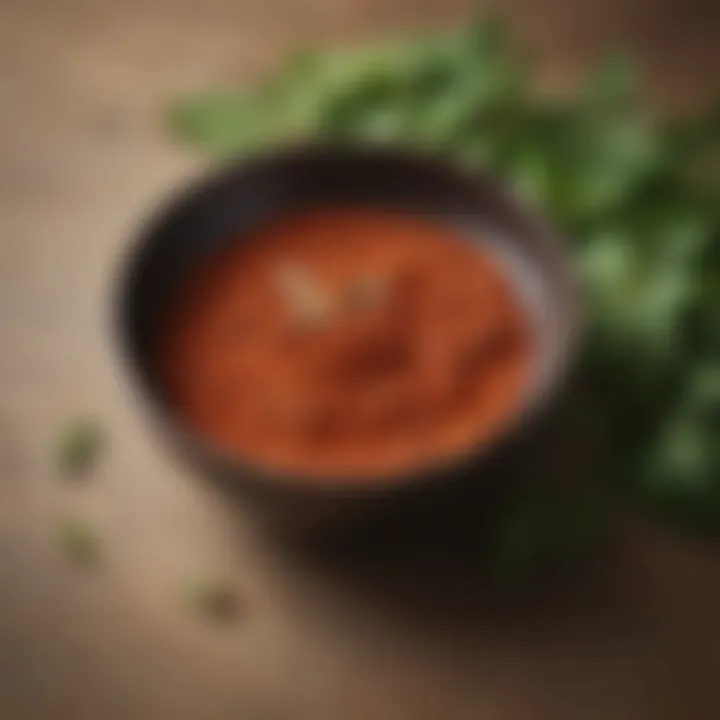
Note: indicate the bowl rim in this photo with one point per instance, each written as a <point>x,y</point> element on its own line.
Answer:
<point>304,482</point>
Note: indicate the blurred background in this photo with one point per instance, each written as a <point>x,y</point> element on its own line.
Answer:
<point>84,154</point>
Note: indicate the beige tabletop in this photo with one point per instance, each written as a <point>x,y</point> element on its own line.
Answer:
<point>82,156</point>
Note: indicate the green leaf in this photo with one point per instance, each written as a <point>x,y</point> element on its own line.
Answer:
<point>704,388</point>
<point>681,478</point>
<point>214,599</point>
<point>640,300</point>
<point>684,234</point>
<point>218,122</point>
<point>611,88</point>
<point>79,542</point>
<point>684,454</point>
<point>79,446</point>
<point>610,163</point>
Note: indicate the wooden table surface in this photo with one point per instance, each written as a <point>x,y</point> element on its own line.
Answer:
<point>82,157</point>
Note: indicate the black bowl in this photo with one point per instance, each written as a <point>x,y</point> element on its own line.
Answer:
<point>238,198</point>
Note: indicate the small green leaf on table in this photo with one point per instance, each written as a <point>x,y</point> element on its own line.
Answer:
<point>79,446</point>
<point>213,599</point>
<point>79,542</point>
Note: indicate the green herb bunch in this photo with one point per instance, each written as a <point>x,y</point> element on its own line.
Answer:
<point>637,199</point>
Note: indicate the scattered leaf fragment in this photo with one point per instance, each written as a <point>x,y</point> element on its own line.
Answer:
<point>79,446</point>
<point>309,304</point>
<point>79,542</point>
<point>214,599</point>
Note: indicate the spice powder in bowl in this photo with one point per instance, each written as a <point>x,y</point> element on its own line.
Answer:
<point>347,342</point>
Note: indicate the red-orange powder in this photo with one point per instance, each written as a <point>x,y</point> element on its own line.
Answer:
<point>346,340</point>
